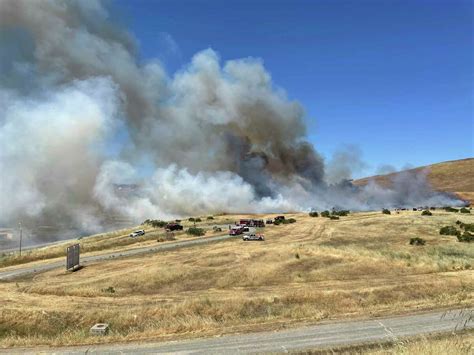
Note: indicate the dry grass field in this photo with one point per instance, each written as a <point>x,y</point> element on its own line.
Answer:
<point>455,176</point>
<point>315,269</point>
<point>452,344</point>
<point>111,241</point>
<point>461,344</point>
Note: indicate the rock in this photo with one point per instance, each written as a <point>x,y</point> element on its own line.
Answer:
<point>99,329</point>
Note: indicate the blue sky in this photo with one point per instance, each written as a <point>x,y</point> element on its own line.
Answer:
<point>394,78</point>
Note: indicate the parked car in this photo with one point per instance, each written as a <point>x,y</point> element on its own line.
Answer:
<point>269,221</point>
<point>253,236</point>
<point>245,229</point>
<point>279,218</point>
<point>137,233</point>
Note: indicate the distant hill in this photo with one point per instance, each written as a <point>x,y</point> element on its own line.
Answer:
<point>455,176</point>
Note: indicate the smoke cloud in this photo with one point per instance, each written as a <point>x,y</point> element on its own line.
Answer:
<point>82,124</point>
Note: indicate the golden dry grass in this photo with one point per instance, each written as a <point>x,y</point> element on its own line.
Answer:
<point>111,241</point>
<point>461,344</point>
<point>452,344</point>
<point>358,266</point>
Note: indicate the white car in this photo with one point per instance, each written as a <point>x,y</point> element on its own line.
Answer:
<point>253,236</point>
<point>137,233</point>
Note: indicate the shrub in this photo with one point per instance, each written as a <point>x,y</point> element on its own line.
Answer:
<point>191,219</point>
<point>340,213</point>
<point>426,213</point>
<point>277,222</point>
<point>450,209</point>
<point>109,289</point>
<point>417,241</point>
<point>197,220</point>
<point>313,214</point>
<point>196,231</point>
<point>449,230</point>
<point>325,214</point>
<point>297,256</point>
<point>291,220</point>
<point>177,220</point>
<point>210,217</point>
<point>468,227</point>
<point>333,217</point>
<point>464,210</point>
<point>466,237</point>
<point>385,211</point>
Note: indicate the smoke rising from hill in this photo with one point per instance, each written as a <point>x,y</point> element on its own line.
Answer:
<point>220,137</point>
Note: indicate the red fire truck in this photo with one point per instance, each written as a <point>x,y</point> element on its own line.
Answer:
<point>236,230</point>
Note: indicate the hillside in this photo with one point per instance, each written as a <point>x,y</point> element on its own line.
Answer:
<point>455,176</point>
<point>315,269</point>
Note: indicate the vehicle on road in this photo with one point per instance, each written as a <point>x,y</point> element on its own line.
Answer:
<point>236,230</point>
<point>174,227</point>
<point>253,236</point>
<point>137,233</point>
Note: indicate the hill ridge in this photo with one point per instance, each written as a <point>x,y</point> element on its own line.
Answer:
<point>455,176</point>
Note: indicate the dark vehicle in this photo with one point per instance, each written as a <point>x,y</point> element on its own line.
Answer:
<point>252,236</point>
<point>269,221</point>
<point>252,222</point>
<point>137,233</point>
<point>174,227</point>
<point>279,218</point>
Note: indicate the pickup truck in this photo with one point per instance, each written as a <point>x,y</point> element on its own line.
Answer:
<point>253,236</point>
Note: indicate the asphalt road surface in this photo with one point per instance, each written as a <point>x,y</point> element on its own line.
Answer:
<point>313,337</point>
<point>5,275</point>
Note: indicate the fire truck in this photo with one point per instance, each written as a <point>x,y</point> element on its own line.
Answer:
<point>236,230</point>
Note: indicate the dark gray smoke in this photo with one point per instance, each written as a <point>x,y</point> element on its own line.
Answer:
<point>218,136</point>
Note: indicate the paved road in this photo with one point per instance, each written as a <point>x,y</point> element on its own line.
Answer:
<point>312,337</point>
<point>5,275</point>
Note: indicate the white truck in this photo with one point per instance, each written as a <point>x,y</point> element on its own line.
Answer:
<point>252,236</point>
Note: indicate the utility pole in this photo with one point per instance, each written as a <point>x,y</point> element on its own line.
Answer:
<point>21,235</point>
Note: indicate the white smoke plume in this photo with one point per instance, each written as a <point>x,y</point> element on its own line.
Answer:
<point>219,137</point>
